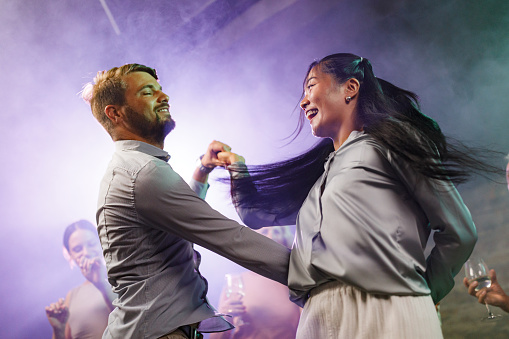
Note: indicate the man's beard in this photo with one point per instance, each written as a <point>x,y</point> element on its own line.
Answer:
<point>152,131</point>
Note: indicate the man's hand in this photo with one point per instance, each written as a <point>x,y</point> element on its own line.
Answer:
<point>210,158</point>
<point>218,154</point>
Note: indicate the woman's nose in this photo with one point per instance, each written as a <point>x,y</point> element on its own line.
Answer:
<point>304,103</point>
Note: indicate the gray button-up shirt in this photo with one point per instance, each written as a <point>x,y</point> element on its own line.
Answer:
<point>148,218</point>
<point>366,222</point>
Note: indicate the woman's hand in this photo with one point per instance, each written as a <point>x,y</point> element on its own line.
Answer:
<point>210,158</point>
<point>228,158</point>
<point>93,270</point>
<point>58,314</point>
<point>233,306</point>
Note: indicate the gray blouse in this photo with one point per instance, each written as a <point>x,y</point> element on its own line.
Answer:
<point>366,222</point>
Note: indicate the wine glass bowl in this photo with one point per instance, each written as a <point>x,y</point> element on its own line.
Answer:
<point>235,291</point>
<point>477,270</point>
<point>234,286</point>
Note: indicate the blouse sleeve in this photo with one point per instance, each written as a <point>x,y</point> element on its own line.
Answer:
<point>455,234</point>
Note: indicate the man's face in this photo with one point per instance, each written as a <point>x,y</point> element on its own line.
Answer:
<point>147,112</point>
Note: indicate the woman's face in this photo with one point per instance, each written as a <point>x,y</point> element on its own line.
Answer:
<point>84,243</point>
<point>323,104</point>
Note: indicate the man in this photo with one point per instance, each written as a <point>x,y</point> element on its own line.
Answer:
<point>493,295</point>
<point>148,217</point>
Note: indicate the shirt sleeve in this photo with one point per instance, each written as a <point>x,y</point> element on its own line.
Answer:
<point>164,201</point>
<point>199,188</point>
<point>455,235</point>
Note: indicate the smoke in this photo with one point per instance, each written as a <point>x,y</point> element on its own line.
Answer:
<point>233,71</point>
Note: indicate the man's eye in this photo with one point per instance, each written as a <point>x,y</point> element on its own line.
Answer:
<point>147,93</point>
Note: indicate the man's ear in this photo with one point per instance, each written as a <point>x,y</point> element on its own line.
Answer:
<point>113,113</point>
<point>352,87</point>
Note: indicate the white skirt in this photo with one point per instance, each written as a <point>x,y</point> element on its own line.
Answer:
<point>338,311</point>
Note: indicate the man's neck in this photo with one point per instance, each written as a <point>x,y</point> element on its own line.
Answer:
<point>132,136</point>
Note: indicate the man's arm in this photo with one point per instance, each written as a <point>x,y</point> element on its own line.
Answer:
<point>165,201</point>
<point>210,160</point>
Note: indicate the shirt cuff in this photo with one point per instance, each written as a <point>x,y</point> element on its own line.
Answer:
<point>199,188</point>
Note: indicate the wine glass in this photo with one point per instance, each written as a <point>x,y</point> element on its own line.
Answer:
<point>477,270</point>
<point>235,291</point>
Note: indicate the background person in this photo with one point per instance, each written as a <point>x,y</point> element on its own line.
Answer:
<point>264,311</point>
<point>494,295</point>
<point>84,312</point>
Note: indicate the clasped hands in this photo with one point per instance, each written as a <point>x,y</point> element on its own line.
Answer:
<point>220,154</point>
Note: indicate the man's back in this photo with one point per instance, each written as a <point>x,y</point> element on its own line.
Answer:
<point>151,269</point>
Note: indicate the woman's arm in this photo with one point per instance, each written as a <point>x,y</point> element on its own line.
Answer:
<point>455,234</point>
<point>94,271</point>
<point>58,315</point>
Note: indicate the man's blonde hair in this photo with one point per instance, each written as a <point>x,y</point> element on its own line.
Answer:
<point>108,88</point>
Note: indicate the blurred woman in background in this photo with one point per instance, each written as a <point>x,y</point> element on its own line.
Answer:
<point>260,308</point>
<point>84,312</point>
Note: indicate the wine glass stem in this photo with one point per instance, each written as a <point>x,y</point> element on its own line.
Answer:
<point>490,315</point>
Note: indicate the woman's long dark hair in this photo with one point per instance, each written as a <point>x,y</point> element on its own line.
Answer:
<point>389,114</point>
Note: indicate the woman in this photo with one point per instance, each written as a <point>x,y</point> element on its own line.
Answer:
<point>84,312</point>
<point>365,200</point>
<point>261,310</point>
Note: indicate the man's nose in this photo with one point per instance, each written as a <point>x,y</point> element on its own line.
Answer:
<point>164,97</point>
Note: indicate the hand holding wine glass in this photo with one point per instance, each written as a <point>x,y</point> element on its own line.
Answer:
<point>234,294</point>
<point>495,295</point>
<point>477,271</point>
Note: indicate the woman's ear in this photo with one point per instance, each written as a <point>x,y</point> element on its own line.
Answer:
<point>352,87</point>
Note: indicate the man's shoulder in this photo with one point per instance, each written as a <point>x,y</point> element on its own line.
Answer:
<point>133,161</point>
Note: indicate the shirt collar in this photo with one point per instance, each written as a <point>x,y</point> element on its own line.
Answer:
<point>353,135</point>
<point>140,146</point>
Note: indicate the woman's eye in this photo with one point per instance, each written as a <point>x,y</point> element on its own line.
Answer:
<point>309,86</point>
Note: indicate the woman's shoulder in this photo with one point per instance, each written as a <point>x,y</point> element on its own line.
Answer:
<point>363,150</point>
<point>72,294</point>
